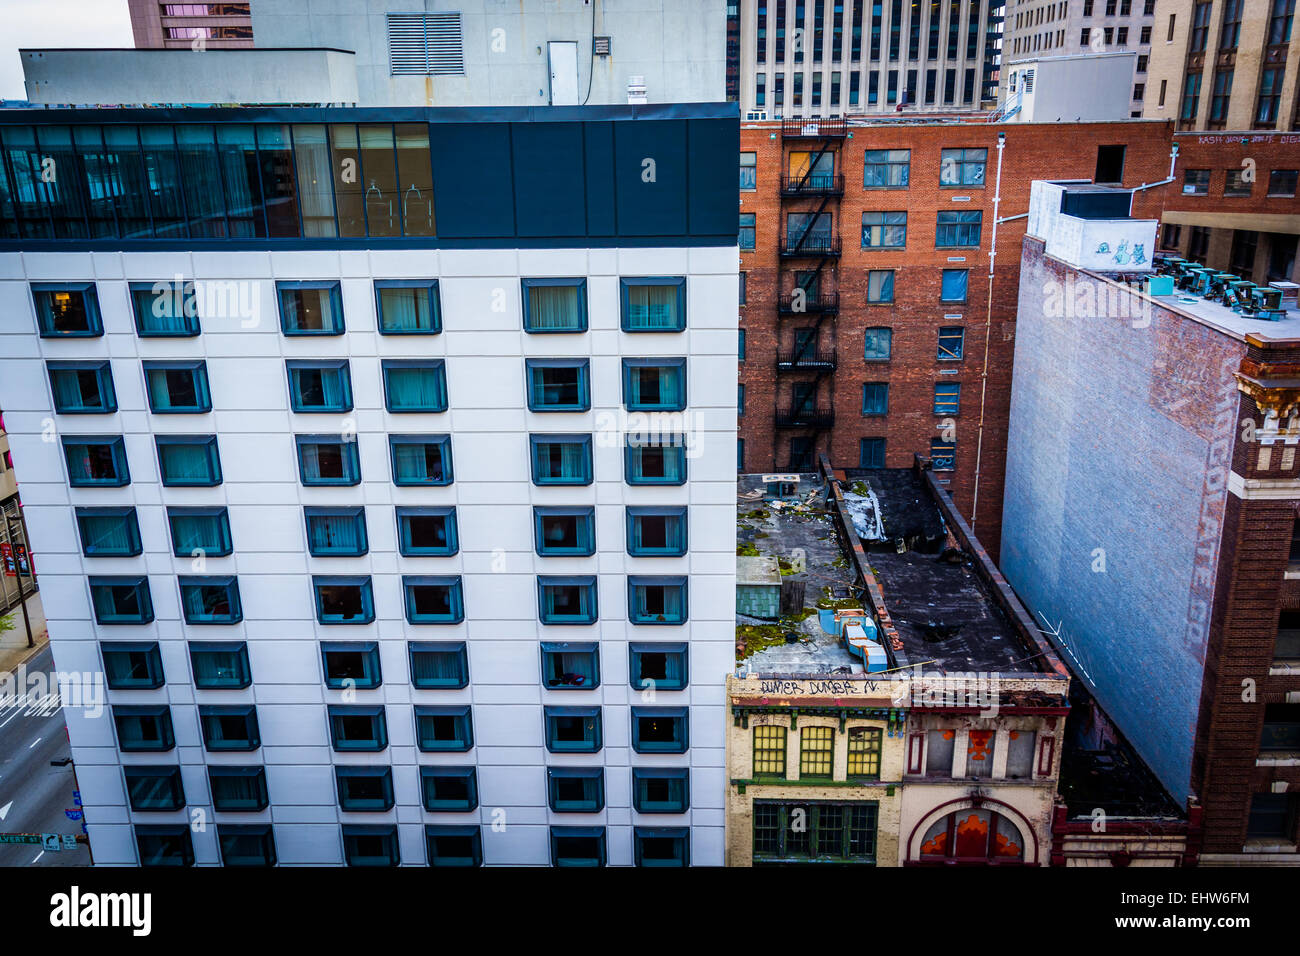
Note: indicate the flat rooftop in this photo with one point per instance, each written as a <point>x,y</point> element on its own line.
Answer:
<point>940,607</point>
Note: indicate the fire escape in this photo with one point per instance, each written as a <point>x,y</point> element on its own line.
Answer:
<point>808,296</point>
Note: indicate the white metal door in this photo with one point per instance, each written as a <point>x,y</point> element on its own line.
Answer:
<point>563,58</point>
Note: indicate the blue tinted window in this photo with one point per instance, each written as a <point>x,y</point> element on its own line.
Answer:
<point>241,789</point>
<point>656,600</point>
<point>661,846</point>
<point>199,531</point>
<point>67,309</point>
<point>566,600</point>
<point>438,665</point>
<point>427,531</point>
<point>954,285</point>
<point>144,729</point>
<point>96,461</point>
<point>370,845</point>
<point>351,664</point>
<point>167,309</point>
<point>576,789</point>
<point>555,305</point>
<point>578,846</point>
<point>310,308</point>
<point>415,386</point>
<point>168,845</point>
<point>661,789</point>
<point>188,460</point>
<point>439,729</point>
<point>365,789</point>
<point>121,600</point>
<point>573,729</point>
<point>108,532</point>
<point>354,728</point>
<point>659,666</point>
<point>319,386</point>
<point>570,665</point>
<point>220,665</point>
<point>336,532</point>
<point>132,665</point>
<point>407,308</point>
<point>449,788</point>
<point>656,532</point>
<point>82,388</point>
<point>561,459</point>
<point>433,600</point>
<point>558,385</point>
<point>343,600</point>
<point>421,459</point>
<point>653,304</point>
<point>177,387</point>
<point>454,846</point>
<point>154,788</point>
<point>230,727</point>
<point>252,845</point>
<point>565,531</point>
<point>211,600</point>
<point>655,461</point>
<point>660,730</point>
<point>654,385</point>
<point>327,460</point>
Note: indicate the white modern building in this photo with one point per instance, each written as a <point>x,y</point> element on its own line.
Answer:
<point>382,462</point>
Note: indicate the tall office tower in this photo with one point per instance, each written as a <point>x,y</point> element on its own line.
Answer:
<point>1036,29</point>
<point>187,25</point>
<point>830,58</point>
<point>1226,73</point>
<point>384,470</point>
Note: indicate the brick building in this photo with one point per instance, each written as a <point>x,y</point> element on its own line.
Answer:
<point>864,335</point>
<point>1152,497</point>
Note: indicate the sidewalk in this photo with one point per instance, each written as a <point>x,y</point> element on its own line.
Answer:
<point>13,644</point>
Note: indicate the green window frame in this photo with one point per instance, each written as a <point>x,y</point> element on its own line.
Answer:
<point>558,384</point>
<point>567,599</point>
<point>578,846</point>
<point>657,599</point>
<point>650,462</point>
<point>351,665</point>
<point>343,599</point>
<point>829,832</point>
<point>564,531</point>
<point>661,846</point>
<point>570,665</point>
<point>560,459</point>
<point>657,532</point>
<point>654,384</point>
<point>659,665</point>
<point>430,599</point>
<point>421,460</point>
<point>661,730</point>
<point>864,752</point>
<point>816,752</point>
<point>769,751</point>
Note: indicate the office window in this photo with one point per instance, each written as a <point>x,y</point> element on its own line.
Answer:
<point>165,309</point>
<point>210,600</point>
<point>1235,184</point>
<point>336,532</point>
<point>1200,27</point>
<point>740,400</point>
<point>947,398</point>
<point>177,387</point>
<point>943,454</point>
<point>573,729</point>
<point>144,729</point>
<point>199,532</point>
<point>661,789</point>
<point>310,308</point>
<point>421,460</point>
<point>1272,817</point>
<point>365,789</point>
<point>871,453</point>
<point>661,846</point>
<point>229,728</point>
<point>84,388</point>
<point>655,464</point>
<point>660,666</point>
<point>1231,29</point>
<point>951,343</point>
<point>887,169</point>
<point>351,665</point>
<point>954,285</point>
<point>319,386</point>
<point>656,531</point>
<point>884,230</point>
<point>876,344</point>
<point>748,235</point>
<point>880,286</point>
<point>1196,182</point>
<point>449,788</point>
<point>570,666</point>
<point>454,846</point>
<point>656,600</point>
<point>555,305</point>
<point>958,229</point>
<point>407,308</point>
<point>769,751</point>
<point>358,729</point>
<point>1281,728</point>
<point>96,462</point>
<point>564,531</point>
<point>1191,96</point>
<point>864,753</point>
<point>1121,36</point>
<point>1220,95</point>
<point>429,531</point>
<point>132,665</point>
<point>438,665</point>
<point>1279,23</point>
<point>188,460</point>
<point>168,845</point>
<point>252,845</point>
<point>121,600</point>
<point>749,171</point>
<point>343,600</point>
<point>561,459</point>
<point>875,398</point>
<point>1282,182</point>
<point>962,167</point>
<point>558,385</point>
<point>444,729</point>
<point>660,730</point>
<point>740,345</point>
<point>566,600</point>
<point>816,750</point>
<point>653,304</point>
<point>154,788</point>
<point>67,310</point>
<point>433,600</point>
<point>654,384</point>
<point>1270,96</point>
<point>576,789</point>
<point>220,665</point>
<point>327,460</point>
<point>577,846</point>
<point>108,532</point>
<point>370,845</point>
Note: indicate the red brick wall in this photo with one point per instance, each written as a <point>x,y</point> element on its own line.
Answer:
<point>1042,151</point>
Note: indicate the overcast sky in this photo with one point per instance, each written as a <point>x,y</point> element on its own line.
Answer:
<point>56,23</point>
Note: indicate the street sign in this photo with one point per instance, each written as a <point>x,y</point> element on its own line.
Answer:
<point>51,842</point>
<point>20,838</point>
<point>69,841</point>
<point>74,814</point>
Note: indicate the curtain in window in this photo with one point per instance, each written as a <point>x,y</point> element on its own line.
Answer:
<point>310,455</point>
<point>651,306</point>
<point>110,533</point>
<point>334,533</point>
<point>573,460</point>
<point>67,389</point>
<point>165,311</point>
<point>553,307</point>
<point>405,310</point>
<point>559,605</point>
<point>673,459</point>
<point>412,463</point>
<point>660,386</point>
<point>440,666</point>
<point>160,380</point>
<point>215,667</point>
<point>185,463</point>
<point>414,388</point>
<point>196,532</point>
<point>650,598</point>
<point>242,789</point>
<point>203,602</point>
<point>331,387</point>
